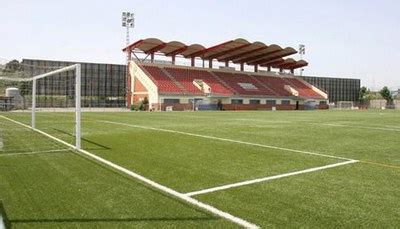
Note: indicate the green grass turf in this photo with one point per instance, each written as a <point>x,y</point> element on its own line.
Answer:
<point>353,195</point>
<point>64,189</point>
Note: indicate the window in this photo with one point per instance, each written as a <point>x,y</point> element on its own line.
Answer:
<point>271,102</point>
<point>254,101</point>
<point>237,101</point>
<point>171,101</point>
<point>322,102</point>
<point>285,102</point>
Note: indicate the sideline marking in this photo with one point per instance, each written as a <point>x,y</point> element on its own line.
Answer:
<point>165,189</point>
<point>227,140</point>
<point>355,127</point>
<point>34,152</point>
<point>259,180</point>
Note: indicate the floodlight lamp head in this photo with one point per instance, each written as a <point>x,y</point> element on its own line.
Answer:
<point>302,49</point>
<point>128,19</point>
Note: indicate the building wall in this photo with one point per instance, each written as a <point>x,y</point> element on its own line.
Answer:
<point>185,103</point>
<point>103,85</point>
<point>338,89</point>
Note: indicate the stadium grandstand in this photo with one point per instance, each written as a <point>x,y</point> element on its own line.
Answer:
<point>167,85</point>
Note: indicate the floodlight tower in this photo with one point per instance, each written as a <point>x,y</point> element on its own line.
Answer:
<point>302,51</point>
<point>128,21</point>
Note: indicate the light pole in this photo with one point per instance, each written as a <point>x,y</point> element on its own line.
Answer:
<point>128,21</point>
<point>302,51</point>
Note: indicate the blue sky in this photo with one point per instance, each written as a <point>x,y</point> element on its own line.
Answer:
<point>350,39</point>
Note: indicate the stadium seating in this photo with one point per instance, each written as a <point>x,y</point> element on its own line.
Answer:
<point>180,80</point>
<point>163,82</point>
<point>276,83</point>
<point>303,89</point>
<point>187,76</point>
<point>235,79</point>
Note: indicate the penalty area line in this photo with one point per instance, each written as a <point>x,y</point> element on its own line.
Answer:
<point>259,180</point>
<point>178,195</point>
<point>227,140</point>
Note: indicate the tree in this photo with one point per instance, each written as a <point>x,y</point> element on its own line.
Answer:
<point>145,101</point>
<point>362,94</point>
<point>386,94</point>
<point>13,66</point>
<point>365,95</point>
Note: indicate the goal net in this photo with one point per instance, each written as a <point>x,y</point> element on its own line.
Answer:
<point>46,100</point>
<point>345,105</point>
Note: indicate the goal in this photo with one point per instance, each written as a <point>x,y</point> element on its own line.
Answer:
<point>21,94</point>
<point>345,105</point>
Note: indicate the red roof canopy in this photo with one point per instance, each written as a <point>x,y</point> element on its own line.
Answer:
<point>239,51</point>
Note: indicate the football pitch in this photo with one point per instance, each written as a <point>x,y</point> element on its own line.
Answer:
<point>202,169</point>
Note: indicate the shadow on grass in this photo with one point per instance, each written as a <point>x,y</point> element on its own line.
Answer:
<point>113,220</point>
<point>8,223</point>
<point>103,147</point>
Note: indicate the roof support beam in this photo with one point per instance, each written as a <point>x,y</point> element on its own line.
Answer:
<point>264,55</point>
<point>237,56</point>
<point>297,65</point>
<point>177,51</point>
<point>269,58</point>
<point>284,65</point>
<point>152,57</point>
<point>227,51</point>
<point>173,60</point>
<point>270,63</point>
<point>192,61</point>
<point>202,52</point>
<point>132,46</point>
<point>155,49</point>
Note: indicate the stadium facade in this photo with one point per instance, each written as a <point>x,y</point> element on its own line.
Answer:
<point>338,89</point>
<point>164,84</point>
<point>103,85</point>
<point>187,87</point>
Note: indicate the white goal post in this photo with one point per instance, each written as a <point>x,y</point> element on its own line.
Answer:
<point>77,68</point>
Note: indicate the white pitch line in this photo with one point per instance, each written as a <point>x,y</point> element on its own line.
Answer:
<point>34,152</point>
<point>259,180</point>
<point>156,185</point>
<point>227,140</point>
<point>2,225</point>
<point>356,127</point>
